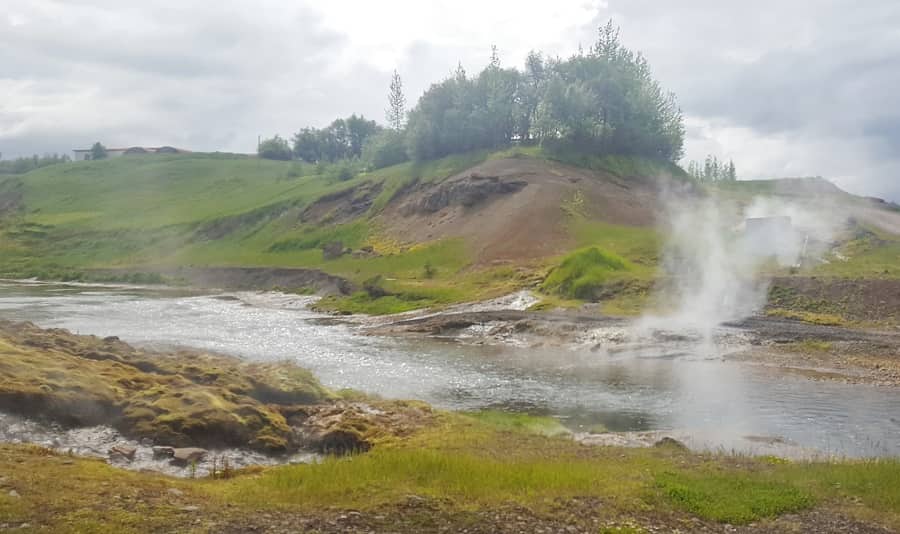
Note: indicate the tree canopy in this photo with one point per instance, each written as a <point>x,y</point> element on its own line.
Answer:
<point>343,138</point>
<point>603,101</point>
<point>275,148</point>
<point>712,170</point>
<point>30,163</point>
<point>98,151</point>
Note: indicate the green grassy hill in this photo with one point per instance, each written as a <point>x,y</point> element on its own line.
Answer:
<point>139,218</point>
<point>151,213</point>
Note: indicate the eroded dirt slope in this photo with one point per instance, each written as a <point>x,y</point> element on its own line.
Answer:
<point>517,209</point>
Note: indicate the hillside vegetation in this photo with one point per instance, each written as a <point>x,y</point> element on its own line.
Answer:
<point>411,235</point>
<point>435,232</point>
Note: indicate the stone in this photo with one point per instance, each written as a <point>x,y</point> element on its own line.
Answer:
<point>332,250</point>
<point>671,443</point>
<point>163,452</point>
<point>187,455</point>
<point>466,192</point>
<point>14,494</point>
<point>176,492</point>
<point>123,451</point>
<point>146,442</point>
<point>189,508</point>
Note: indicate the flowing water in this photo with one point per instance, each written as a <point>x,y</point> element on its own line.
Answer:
<point>675,386</point>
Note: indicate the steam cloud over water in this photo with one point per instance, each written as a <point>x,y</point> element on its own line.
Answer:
<point>717,252</point>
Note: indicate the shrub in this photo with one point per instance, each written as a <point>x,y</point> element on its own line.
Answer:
<point>275,148</point>
<point>385,149</point>
<point>374,288</point>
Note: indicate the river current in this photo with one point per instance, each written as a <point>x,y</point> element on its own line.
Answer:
<point>721,404</point>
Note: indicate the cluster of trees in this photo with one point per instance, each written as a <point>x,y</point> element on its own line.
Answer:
<point>712,170</point>
<point>603,101</point>
<point>26,164</point>
<point>342,139</point>
<point>275,148</point>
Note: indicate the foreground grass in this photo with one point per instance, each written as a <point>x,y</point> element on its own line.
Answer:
<point>462,466</point>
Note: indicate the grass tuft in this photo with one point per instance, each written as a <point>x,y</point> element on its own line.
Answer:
<point>582,274</point>
<point>737,498</point>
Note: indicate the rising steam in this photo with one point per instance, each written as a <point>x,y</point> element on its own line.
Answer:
<point>718,253</point>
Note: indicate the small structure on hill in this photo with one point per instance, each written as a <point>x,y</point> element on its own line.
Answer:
<point>82,154</point>
<point>773,237</point>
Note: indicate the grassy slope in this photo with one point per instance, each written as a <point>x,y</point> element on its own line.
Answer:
<point>148,212</point>
<point>145,212</point>
<point>467,470</point>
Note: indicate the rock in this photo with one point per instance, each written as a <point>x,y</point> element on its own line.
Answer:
<point>187,455</point>
<point>340,442</point>
<point>14,494</point>
<point>332,250</point>
<point>671,443</point>
<point>123,451</point>
<point>176,492</point>
<point>415,500</point>
<point>466,192</point>
<point>163,452</point>
<point>146,442</point>
<point>189,508</point>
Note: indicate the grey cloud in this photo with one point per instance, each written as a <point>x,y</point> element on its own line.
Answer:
<point>810,73</point>
<point>817,76</point>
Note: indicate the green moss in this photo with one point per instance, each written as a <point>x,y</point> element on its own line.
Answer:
<point>547,426</point>
<point>174,399</point>
<point>826,319</point>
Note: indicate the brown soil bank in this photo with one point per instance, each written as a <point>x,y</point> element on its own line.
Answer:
<point>185,398</point>
<point>851,298</point>
<point>263,278</point>
<point>248,278</point>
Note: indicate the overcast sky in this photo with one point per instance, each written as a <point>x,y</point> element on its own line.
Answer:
<point>785,88</point>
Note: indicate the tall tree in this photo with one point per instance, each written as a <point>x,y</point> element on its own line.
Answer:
<point>495,58</point>
<point>98,151</point>
<point>396,112</point>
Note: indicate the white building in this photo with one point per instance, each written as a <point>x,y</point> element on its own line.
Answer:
<point>82,154</point>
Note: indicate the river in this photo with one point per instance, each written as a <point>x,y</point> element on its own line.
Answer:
<point>720,404</point>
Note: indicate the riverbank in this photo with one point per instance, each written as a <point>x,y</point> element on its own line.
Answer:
<point>463,474</point>
<point>185,400</point>
<point>820,352</point>
<point>410,468</point>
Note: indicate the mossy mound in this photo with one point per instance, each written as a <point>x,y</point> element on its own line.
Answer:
<point>180,399</point>
<point>584,274</point>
